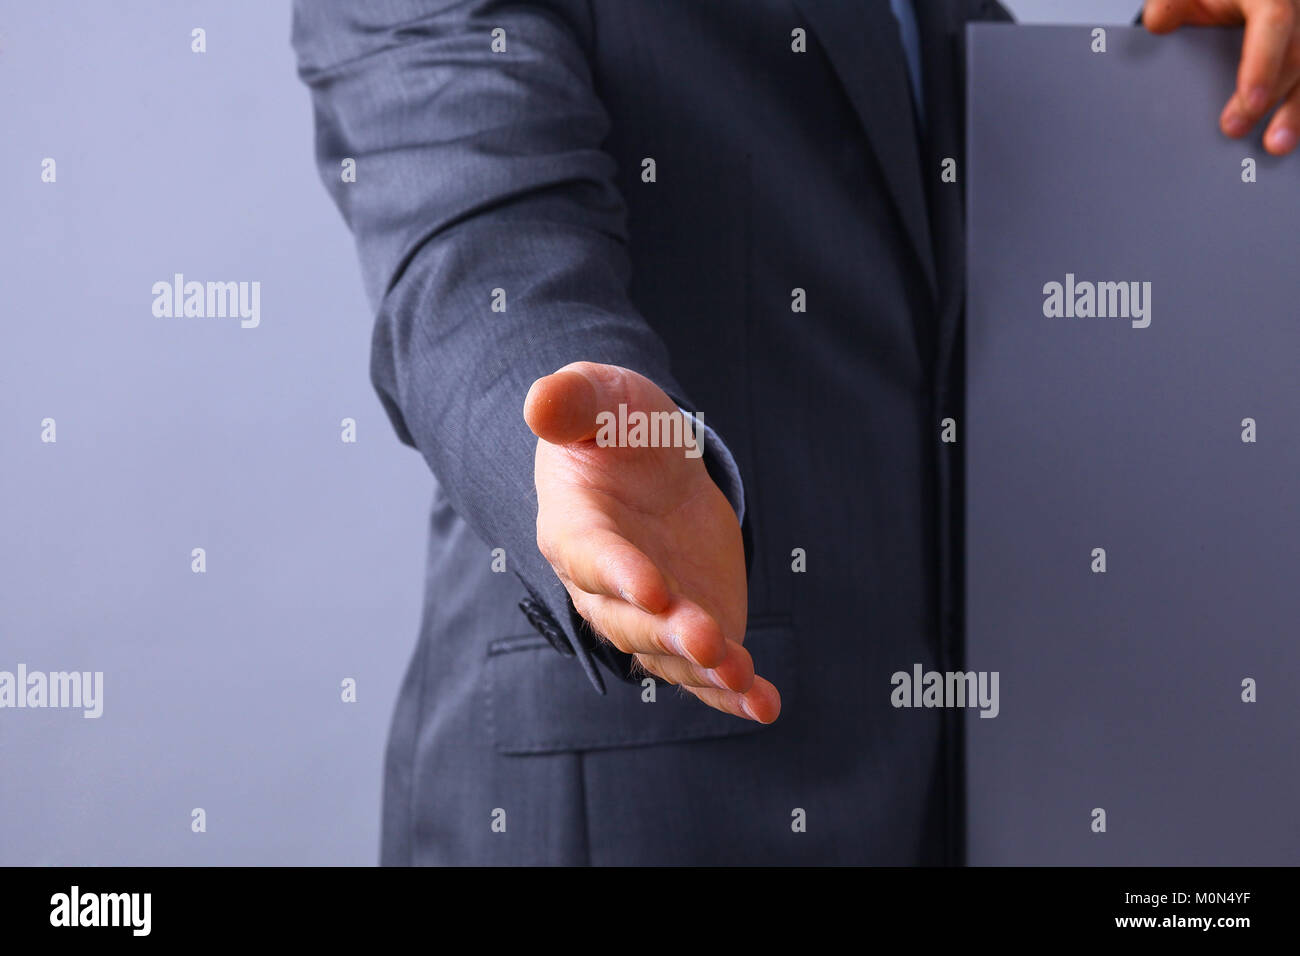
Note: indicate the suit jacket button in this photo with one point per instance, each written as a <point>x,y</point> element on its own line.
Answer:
<point>540,618</point>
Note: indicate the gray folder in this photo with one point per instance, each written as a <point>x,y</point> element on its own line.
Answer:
<point>1109,415</point>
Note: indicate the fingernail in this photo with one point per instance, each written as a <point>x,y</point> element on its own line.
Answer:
<point>626,595</point>
<point>714,679</point>
<point>1257,99</point>
<point>744,705</point>
<point>680,644</point>
<point>1236,124</point>
<point>1283,140</point>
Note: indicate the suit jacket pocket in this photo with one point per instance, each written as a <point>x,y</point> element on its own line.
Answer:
<point>539,702</point>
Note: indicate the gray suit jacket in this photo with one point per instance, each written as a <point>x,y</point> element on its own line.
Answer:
<point>501,146</point>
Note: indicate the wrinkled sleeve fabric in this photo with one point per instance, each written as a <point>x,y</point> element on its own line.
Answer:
<point>491,237</point>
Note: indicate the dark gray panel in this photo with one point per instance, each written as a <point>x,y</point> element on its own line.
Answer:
<point>1123,690</point>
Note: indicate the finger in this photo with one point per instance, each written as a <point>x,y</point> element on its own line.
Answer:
<point>1284,129</point>
<point>1162,16</point>
<point>605,563</point>
<point>685,631</point>
<point>762,702</point>
<point>1270,25</point>
<point>736,672</point>
<point>562,408</point>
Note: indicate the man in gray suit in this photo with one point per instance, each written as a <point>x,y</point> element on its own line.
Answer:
<point>754,189</point>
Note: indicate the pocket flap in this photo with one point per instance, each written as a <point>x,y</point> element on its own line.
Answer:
<point>539,702</point>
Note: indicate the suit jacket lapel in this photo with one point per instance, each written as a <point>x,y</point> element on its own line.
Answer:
<point>860,38</point>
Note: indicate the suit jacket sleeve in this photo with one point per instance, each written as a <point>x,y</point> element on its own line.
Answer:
<point>491,238</point>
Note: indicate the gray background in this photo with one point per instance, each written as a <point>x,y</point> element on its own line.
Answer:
<point>1123,690</point>
<point>222,690</point>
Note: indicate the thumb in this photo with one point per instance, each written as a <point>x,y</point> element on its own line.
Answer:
<point>562,407</point>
